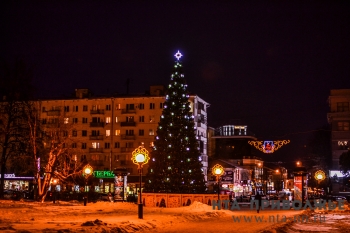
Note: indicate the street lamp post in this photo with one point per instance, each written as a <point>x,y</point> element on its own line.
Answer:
<point>218,171</point>
<point>54,181</point>
<point>140,157</point>
<point>88,170</point>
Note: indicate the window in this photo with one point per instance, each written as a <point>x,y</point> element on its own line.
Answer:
<point>84,133</point>
<point>141,106</point>
<point>96,119</point>
<point>343,145</point>
<point>151,144</point>
<point>107,145</point>
<point>43,109</point>
<point>151,132</point>
<point>95,145</point>
<point>343,107</point>
<point>66,120</point>
<point>75,120</point>
<point>141,132</point>
<point>65,133</point>
<point>343,126</point>
<point>85,120</point>
<point>117,107</point>
<point>151,106</point>
<point>85,108</point>
<point>117,132</point>
<point>151,118</point>
<point>66,108</point>
<point>75,108</point>
<point>116,145</point>
<point>130,106</point>
<point>129,145</point>
<point>108,120</point>
<point>142,118</point>
<point>95,132</point>
<point>129,132</point>
<point>108,107</point>
<point>161,105</point>
<point>74,133</point>
<point>74,145</point>
<point>108,132</point>
<point>83,145</point>
<point>116,119</point>
<point>129,119</point>
<point>95,107</point>
<point>43,121</point>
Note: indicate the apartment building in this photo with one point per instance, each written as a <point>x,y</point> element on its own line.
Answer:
<point>107,129</point>
<point>339,119</point>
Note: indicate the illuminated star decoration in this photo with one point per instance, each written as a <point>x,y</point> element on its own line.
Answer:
<point>268,146</point>
<point>178,55</point>
<point>320,175</point>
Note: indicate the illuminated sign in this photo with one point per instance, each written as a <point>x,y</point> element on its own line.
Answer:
<point>336,173</point>
<point>104,174</point>
<point>268,146</point>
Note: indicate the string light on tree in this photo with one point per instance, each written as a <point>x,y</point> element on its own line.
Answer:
<point>176,128</point>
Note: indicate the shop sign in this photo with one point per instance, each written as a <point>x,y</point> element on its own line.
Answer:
<point>104,174</point>
<point>9,175</point>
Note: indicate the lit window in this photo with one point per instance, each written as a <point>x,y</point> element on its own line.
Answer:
<point>343,126</point>
<point>108,132</point>
<point>108,120</point>
<point>117,132</point>
<point>95,145</point>
<point>66,120</point>
<point>151,132</point>
<point>116,119</point>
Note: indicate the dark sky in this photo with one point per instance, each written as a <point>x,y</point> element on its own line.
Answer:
<point>267,64</point>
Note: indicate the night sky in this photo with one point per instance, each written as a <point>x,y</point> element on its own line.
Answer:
<point>268,64</point>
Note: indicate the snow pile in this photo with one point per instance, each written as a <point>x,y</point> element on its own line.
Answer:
<point>199,206</point>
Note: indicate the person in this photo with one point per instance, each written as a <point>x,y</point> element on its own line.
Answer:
<point>110,197</point>
<point>230,197</point>
<point>258,198</point>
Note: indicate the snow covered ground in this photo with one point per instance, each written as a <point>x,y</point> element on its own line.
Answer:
<point>122,217</point>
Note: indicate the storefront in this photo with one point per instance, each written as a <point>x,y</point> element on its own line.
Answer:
<point>19,183</point>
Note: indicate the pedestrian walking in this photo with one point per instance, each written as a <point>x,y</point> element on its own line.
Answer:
<point>258,198</point>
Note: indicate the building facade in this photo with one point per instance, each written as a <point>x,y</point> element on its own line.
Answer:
<point>105,130</point>
<point>339,119</point>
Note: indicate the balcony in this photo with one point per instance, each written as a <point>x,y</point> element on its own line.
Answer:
<point>97,111</point>
<point>133,123</point>
<point>96,137</point>
<point>53,112</point>
<point>97,124</point>
<point>126,111</point>
<point>97,163</point>
<point>126,149</point>
<point>96,150</point>
<point>127,137</point>
<point>52,125</point>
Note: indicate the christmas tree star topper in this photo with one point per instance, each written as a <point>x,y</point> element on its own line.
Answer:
<point>178,55</point>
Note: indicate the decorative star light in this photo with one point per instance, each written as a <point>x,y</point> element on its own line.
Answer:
<point>178,55</point>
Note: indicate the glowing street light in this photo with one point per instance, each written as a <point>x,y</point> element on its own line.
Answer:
<point>88,170</point>
<point>140,157</point>
<point>320,175</point>
<point>218,171</point>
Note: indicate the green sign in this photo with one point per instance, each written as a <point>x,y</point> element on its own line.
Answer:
<point>104,174</point>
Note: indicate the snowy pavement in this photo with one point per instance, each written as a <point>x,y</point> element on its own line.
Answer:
<point>122,217</point>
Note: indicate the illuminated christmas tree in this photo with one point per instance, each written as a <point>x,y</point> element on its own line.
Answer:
<point>175,166</point>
